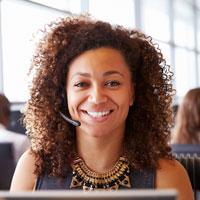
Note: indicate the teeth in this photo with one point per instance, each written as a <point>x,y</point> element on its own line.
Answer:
<point>98,114</point>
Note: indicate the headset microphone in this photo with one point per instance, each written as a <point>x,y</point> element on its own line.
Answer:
<point>71,121</point>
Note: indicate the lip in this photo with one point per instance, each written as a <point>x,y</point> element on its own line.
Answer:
<point>97,116</point>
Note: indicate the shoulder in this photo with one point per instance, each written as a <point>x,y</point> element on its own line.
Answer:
<point>171,174</point>
<point>170,167</point>
<point>27,158</point>
<point>24,177</point>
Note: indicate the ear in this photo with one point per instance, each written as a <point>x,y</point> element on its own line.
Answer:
<point>132,93</point>
<point>132,100</point>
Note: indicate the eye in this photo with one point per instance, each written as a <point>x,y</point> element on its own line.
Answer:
<point>81,84</point>
<point>113,84</point>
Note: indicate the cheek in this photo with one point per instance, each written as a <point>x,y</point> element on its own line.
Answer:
<point>125,105</point>
<point>131,100</point>
<point>71,100</point>
<point>128,97</point>
<point>123,101</point>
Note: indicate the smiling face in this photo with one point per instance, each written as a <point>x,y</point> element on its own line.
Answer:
<point>99,91</point>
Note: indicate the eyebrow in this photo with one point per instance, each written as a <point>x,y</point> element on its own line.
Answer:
<point>112,72</point>
<point>108,73</point>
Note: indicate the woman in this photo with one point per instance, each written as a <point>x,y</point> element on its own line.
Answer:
<point>114,83</point>
<point>187,126</point>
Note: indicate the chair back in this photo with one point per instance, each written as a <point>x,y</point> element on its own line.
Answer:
<point>190,149</point>
<point>192,166</point>
<point>7,165</point>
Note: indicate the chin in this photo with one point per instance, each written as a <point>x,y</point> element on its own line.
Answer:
<point>96,135</point>
<point>97,132</point>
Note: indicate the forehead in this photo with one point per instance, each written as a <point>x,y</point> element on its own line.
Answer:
<point>99,60</point>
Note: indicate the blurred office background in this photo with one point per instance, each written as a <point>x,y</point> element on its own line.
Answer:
<point>173,24</point>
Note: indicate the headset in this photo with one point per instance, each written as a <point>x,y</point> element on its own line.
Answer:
<point>64,116</point>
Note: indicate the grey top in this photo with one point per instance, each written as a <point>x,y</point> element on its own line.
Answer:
<point>140,179</point>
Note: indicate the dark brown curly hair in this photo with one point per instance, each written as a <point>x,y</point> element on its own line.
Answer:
<point>149,120</point>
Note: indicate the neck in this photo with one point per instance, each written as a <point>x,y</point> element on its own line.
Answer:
<point>99,153</point>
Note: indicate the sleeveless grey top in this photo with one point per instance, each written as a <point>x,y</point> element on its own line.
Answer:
<point>140,179</point>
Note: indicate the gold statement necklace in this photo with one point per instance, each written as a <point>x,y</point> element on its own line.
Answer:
<point>85,178</point>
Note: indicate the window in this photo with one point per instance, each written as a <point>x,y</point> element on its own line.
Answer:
<point>165,49</point>
<point>73,6</point>
<point>20,20</point>
<point>198,30</point>
<point>186,46</point>
<point>173,24</point>
<point>185,70</point>
<point>184,24</point>
<point>116,12</point>
<point>155,19</point>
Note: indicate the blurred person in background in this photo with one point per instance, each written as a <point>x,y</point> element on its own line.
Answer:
<point>20,142</point>
<point>187,121</point>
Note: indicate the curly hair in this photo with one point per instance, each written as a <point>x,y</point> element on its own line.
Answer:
<point>149,120</point>
<point>187,126</point>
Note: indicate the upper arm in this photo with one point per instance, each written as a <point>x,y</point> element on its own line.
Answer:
<point>172,174</point>
<point>24,178</point>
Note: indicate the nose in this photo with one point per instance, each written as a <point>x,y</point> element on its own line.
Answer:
<point>97,95</point>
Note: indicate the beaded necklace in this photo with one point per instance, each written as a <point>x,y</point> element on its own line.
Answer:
<point>85,178</point>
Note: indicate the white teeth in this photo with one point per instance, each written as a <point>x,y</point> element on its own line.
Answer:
<point>98,114</point>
